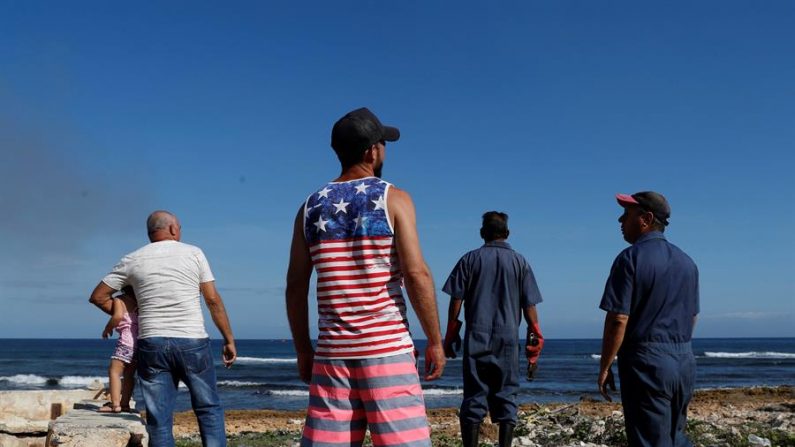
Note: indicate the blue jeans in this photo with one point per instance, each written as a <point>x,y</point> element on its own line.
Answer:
<point>162,363</point>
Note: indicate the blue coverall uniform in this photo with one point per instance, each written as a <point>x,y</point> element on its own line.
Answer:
<point>495,283</point>
<point>656,284</point>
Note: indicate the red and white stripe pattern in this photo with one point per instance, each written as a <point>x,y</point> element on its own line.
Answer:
<point>361,309</point>
<point>346,397</point>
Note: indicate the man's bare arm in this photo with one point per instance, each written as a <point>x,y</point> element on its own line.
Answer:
<point>417,278</point>
<point>452,337</point>
<point>454,309</point>
<point>102,297</point>
<point>299,273</point>
<point>613,336</point>
<point>530,315</point>
<point>218,313</point>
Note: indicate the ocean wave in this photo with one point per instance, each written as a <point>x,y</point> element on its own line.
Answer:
<point>64,382</point>
<point>25,379</point>
<point>238,383</point>
<point>255,360</point>
<point>300,393</point>
<point>441,391</point>
<point>79,381</point>
<point>750,355</point>
<point>598,356</point>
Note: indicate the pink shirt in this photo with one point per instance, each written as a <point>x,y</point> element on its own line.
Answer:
<point>128,329</point>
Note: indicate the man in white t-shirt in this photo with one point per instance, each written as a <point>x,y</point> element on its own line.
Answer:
<point>168,278</point>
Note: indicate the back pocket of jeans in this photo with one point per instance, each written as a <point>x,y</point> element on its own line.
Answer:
<point>150,363</point>
<point>197,360</point>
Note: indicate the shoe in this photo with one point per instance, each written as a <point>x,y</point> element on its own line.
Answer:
<point>506,434</point>
<point>469,434</point>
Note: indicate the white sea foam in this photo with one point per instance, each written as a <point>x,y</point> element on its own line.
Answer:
<point>25,379</point>
<point>750,355</point>
<point>300,393</point>
<point>441,391</point>
<point>238,383</point>
<point>254,360</point>
<point>597,356</point>
<point>65,382</point>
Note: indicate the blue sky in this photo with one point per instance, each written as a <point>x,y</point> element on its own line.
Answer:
<point>222,113</point>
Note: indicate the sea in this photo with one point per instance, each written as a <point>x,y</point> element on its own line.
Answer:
<point>265,377</point>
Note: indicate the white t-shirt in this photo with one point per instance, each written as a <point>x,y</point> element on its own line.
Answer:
<point>165,276</point>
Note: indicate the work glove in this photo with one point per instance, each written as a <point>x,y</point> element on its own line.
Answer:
<point>452,339</point>
<point>534,343</point>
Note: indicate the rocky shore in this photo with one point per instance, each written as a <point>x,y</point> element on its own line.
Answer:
<point>757,416</point>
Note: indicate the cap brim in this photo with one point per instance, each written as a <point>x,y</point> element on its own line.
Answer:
<point>626,200</point>
<point>391,133</point>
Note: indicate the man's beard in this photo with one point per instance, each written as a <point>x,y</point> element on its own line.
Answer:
<point>378,169</point>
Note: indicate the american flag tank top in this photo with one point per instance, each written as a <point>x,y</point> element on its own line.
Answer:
<point>361,310</point>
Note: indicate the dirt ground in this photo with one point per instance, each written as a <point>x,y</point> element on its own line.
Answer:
<point>444,420</point>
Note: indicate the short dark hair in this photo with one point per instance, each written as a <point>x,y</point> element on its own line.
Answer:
<point>349,156</point>
<point>658,225</point>
<point>495,226</point>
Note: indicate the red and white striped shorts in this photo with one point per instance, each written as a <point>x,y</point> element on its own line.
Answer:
<point>348,396</point>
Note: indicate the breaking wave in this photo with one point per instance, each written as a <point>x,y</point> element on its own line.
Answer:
<point>750,355</point>
<point>65,381</point>
<point>257,360</point>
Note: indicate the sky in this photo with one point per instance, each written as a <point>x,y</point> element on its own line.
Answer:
<point>222,111</point>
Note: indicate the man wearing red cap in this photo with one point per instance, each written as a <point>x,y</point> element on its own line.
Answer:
<point>651,299</point>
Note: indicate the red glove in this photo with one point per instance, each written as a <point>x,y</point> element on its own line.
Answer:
<point>452,339</point>
<point>535,343</point>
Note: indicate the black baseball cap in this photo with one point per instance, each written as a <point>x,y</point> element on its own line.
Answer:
<point>360,129</point>
<point>651,201</point>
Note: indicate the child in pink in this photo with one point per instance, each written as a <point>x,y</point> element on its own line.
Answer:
<point>122,363</point>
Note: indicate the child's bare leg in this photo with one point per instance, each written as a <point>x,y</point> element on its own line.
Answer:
<point>127,385</point>
<point>115,371</point>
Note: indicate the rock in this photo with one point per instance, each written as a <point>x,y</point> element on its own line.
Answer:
<point>96,385</point>
<point>756,441</point>
<point>95,405</point>
<point>296,421</point>
<point>25,415</point>
<point>40,405</point>
<point>524,440</point>
<point>16,425</point>
<point>22,441</point>
<point>87,428</point>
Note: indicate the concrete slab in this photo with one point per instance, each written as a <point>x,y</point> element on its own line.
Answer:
<point>88,428</point>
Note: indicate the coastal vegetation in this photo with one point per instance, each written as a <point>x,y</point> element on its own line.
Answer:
<point>742,417</point>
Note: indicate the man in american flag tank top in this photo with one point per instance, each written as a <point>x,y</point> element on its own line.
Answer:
<point>359,235</point>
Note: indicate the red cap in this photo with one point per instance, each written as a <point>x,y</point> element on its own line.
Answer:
<point>626,200</point>
<point>649,201</point>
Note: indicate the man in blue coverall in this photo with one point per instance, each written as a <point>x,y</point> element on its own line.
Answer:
<point>651,299</point>
<point>496,286</point>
